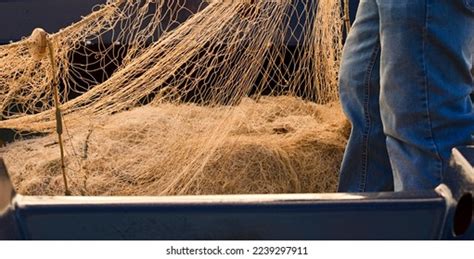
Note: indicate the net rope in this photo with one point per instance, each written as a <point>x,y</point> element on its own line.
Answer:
<point>198,71</point>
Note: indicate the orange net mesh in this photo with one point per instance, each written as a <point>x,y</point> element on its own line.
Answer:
<point>154,94</point>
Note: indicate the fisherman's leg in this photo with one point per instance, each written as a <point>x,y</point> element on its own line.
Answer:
<point>425,85</point>
<point>365,166</point>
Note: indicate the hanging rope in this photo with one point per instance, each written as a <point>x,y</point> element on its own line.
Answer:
<point>40,44</point>
<point>347,17</point>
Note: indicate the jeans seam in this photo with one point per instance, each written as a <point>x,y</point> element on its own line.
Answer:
<point>427,93</point>
<point>469,5</point>
<point>368,121</point>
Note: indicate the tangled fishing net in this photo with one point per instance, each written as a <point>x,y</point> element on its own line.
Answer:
<point>179,97</point>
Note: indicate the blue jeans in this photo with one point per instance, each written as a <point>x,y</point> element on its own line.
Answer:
<point>405,85</point>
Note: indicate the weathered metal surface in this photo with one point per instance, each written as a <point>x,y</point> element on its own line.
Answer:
<point>344,216</point>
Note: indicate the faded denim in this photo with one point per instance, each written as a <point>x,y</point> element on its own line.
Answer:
<point>405,85</point>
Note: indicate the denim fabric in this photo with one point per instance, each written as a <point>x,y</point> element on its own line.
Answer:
<point>405,82</point>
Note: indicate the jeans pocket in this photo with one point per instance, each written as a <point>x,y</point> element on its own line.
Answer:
<point>469,5</point>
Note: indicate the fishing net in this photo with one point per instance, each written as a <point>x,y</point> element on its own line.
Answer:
<point>179,97</point>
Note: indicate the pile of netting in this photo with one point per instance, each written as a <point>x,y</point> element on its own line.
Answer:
<point>164,97</point>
